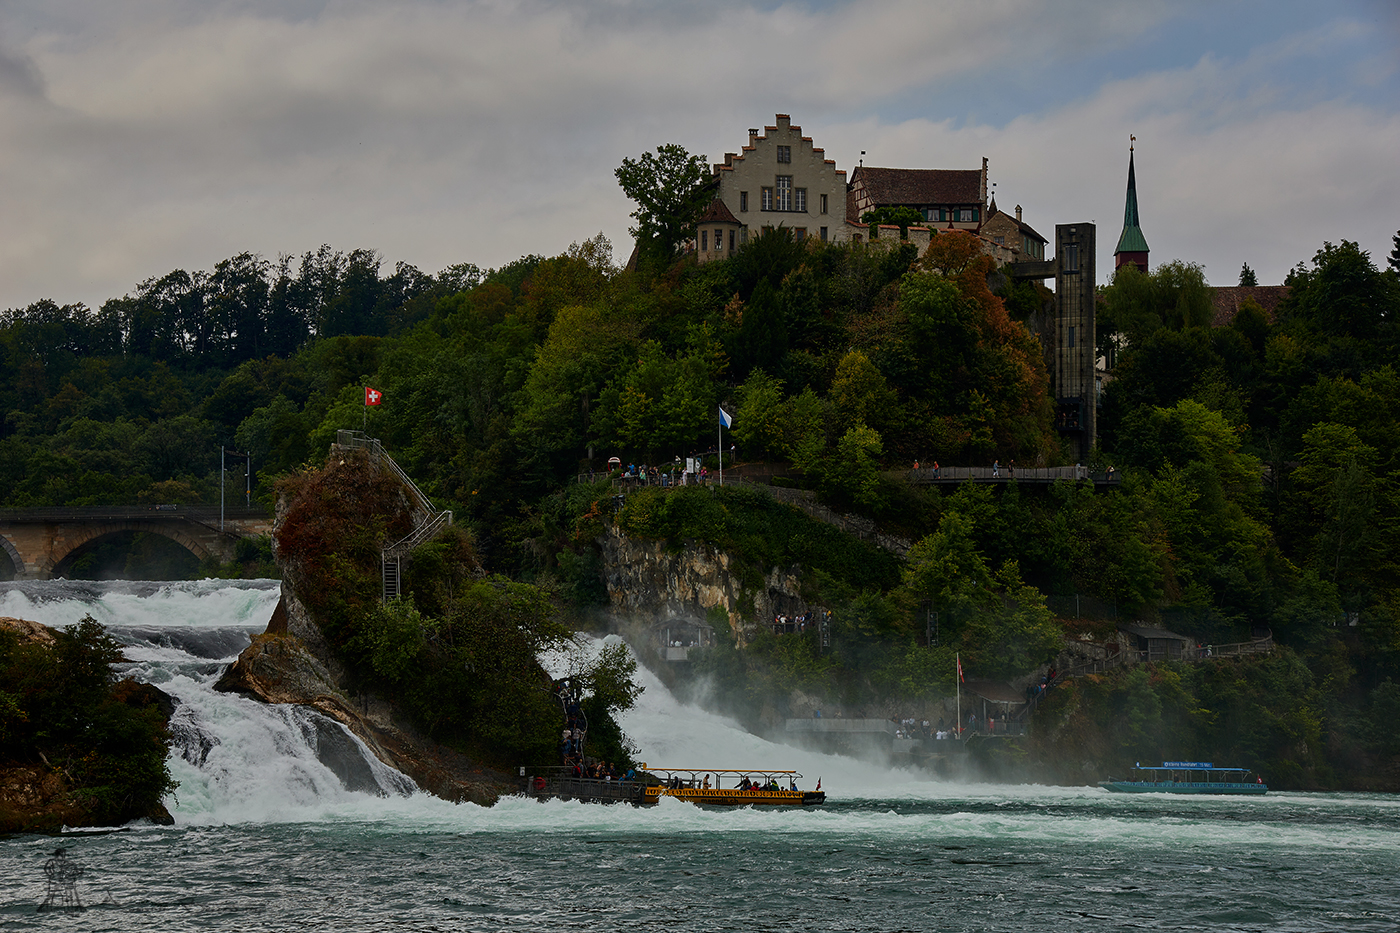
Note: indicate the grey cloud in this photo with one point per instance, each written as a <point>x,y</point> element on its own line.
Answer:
<point>179,133</point>
<point>19,76</point>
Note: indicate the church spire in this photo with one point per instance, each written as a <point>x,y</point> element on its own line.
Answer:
<point>1132,245</point>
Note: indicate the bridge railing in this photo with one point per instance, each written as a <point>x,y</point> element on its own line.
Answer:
<point>1007,473</point>
<point>198,513</point>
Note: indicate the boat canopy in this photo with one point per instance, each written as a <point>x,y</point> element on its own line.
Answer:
<point>736,773</point>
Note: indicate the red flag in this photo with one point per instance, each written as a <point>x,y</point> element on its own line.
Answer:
<point>373,396</point>
<point>819,783</point>
<point>960,673</point>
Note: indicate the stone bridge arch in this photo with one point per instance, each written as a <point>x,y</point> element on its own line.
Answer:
<point>80,536</point>
<point>38,540</point>
<point>16,558</point>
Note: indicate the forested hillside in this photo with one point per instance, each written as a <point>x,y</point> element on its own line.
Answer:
<point>1258,459</point>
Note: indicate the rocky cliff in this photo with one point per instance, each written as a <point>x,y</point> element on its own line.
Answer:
<point>291,663</point>
<point>647,580</point>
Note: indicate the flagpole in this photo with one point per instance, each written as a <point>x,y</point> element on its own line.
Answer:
<point>959,689</point>
<point>719,441</point>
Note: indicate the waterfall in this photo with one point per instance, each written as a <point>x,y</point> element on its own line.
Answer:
<point>237,760</point>
<point>670,733</point>
<point>240,761</point>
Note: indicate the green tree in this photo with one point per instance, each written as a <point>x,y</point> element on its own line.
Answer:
<point>902,216</point>
<point>1173,295</point>
<point>1247,276</point>
<point>672,189</point>
<point>758,420</point>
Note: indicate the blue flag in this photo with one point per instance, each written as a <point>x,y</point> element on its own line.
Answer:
<point>724,419</point>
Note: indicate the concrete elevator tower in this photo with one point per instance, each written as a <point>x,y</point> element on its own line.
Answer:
<point>1075,347</point>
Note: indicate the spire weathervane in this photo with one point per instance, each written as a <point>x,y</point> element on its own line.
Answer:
<point>1131,140</point>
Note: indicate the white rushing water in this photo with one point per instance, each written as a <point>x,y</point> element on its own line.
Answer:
<point>284,821</point>
<point>237,760</point>
<point>243,762</point>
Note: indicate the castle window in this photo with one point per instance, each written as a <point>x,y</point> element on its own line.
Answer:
<point>784,193</point>
<point>933,214</point>
<point>784,153</point>
<point>800,233</point>
<point>966,216</point>
<point>823,210</point>
<point>767,199</point>
<point>1071,263</point>
<point>719,239</point>
<point>743,201</point>
<point>823,230</point>
<point>1069,337</point>
<point>704,240</point>
<point>731,241</point>
<point>800,203</point>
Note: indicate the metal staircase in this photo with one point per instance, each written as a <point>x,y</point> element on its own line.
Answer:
<point>427,521</point>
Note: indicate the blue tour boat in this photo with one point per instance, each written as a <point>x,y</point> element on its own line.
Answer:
<point>1189,777</point>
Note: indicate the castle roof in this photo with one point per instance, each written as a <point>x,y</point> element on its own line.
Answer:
<point>1021,225</point>
<point>920,185</point>
<point>717,213</point>
<point>1227,300</point>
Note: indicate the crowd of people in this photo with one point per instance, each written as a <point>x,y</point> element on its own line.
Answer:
<point>784,624</point>
<point>575,723</point>
<point>600,771</point>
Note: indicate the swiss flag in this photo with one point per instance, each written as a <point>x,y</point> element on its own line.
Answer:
<point>373,396</point>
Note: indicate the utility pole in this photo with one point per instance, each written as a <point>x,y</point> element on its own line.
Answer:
<point>221,487</point>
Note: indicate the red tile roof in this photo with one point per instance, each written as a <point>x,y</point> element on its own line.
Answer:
<point>921,185</point>
<point>1020,224</point>
<point>717,213</point>
<point>1227,300</point>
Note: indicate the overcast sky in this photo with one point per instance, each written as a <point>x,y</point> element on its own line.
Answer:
<point>149,135</point>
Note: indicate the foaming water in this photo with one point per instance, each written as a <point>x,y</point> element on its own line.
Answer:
<point>137,604</point>
<point>283,820</point>
<point>670,733</point>
<point>236,760</point>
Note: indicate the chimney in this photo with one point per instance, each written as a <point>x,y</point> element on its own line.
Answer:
<point>1018,213</point>
<point>729,159</point>
<point>753,136</point>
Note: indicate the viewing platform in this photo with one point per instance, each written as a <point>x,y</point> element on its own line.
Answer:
<point>1042,476</point>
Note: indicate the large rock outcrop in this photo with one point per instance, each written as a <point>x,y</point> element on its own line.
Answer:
<point>648,580</point>
<point>291,663</point>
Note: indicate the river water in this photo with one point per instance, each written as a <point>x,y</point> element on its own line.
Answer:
<point>283,822</point>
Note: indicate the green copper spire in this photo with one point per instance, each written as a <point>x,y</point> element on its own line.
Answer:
<point>1132,240</point>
